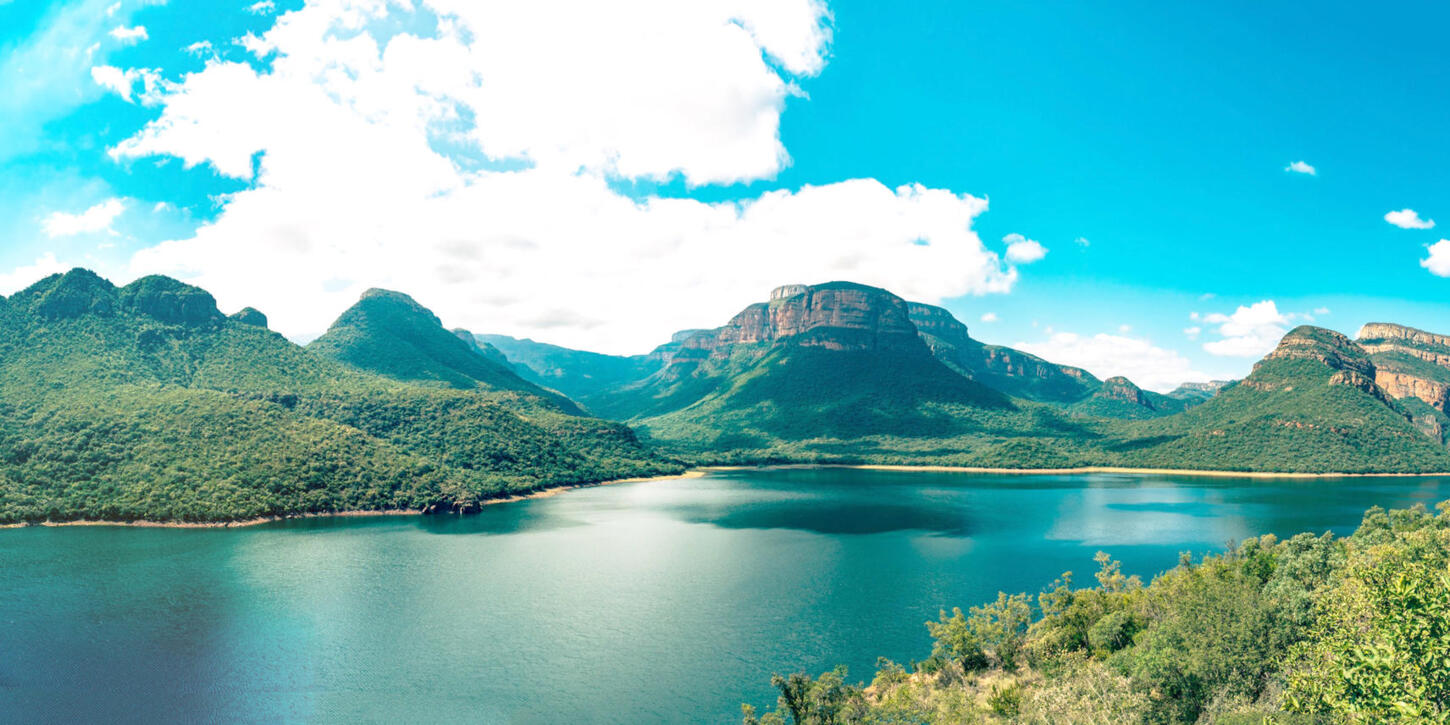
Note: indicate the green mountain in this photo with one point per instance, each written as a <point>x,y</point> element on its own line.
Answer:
<point>1118,397</point>
<point>389,333</point>
<point>835,372</point>
<point>1010,371</point>
<point>145,402</point>
<point>578,374</point>
<point>1311,405</point>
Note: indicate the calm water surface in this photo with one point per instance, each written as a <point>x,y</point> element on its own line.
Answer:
<point>668,601</point>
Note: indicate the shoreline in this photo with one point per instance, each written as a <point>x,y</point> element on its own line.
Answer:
<point>699,471</point>
<point>1066,471</point>
<point>539,493</point>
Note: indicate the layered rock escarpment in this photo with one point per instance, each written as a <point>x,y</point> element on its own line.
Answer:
<point>1409,363</point>
<point>841,316</point>
<point>1347,363</point>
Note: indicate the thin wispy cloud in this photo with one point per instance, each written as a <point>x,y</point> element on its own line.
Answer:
<point>129,35</point>
<point>95,219</point>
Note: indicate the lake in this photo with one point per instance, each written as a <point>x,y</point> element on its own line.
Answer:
<point>664,601</point>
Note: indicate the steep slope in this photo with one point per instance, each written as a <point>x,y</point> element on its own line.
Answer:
<point>1011,371</point>
<point>1118,397</point>
<point>1414,367</point>
<point>578,374</point>
<point>389,333</point>
<point>147,402</point>
<point>1311,405</point>
<point>831,372</point>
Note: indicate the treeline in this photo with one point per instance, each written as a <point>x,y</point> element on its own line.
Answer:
<point>1305,630</point>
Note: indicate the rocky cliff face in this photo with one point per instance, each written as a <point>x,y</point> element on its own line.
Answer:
<point>835,316</point>
<point>1409,363</point>
<point>1346,362</point>
<point>1121,388</point>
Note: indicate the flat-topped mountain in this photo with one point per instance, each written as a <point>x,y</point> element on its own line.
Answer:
<point>145,401</point>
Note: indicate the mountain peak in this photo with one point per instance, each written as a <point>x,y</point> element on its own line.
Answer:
<point>77,292</point>
<point>250,316</point>
<point>170,301</point>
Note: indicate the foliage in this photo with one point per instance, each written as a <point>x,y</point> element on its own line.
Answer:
<point>145,403</point>
<point>1304,630</point>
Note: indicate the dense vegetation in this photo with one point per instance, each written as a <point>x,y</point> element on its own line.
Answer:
<point>144,402</point>
<point>1304,630</point>
<point>1307,410</point>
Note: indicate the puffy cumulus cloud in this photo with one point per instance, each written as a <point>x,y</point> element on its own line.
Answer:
<point>95,219</point>
<point>1409,219</point>
<point>21,277</point>
<point>385,171</point>
<point>1300,167</point>
<point>1250,331</point>
<point>1021,250</point>
<point>129,35</point>
<point>1106,355</point>
<point>1439,260</point>
<point>641,89</point>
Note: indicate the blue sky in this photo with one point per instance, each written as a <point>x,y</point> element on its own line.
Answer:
<point>1145,146</point>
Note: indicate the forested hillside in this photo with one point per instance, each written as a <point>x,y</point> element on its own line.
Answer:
<point>145,402</point>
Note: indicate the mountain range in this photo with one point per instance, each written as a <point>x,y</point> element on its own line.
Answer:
<point>147,402</point>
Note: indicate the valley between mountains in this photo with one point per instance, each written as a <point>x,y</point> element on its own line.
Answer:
<point>146,402</point>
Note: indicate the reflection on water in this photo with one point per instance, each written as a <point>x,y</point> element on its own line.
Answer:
<point>658,602</point>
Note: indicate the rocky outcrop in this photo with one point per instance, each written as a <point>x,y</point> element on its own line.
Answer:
<point>1409,363</point>
<point>1121,388</point>
<point>1324,346</point>
<point>249,316</point>
<point>1403,385</point>
<point>835,316</point>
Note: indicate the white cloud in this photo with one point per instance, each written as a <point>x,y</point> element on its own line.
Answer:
<point>21,277</point>
<point>1106,355</point>
<point>263,7</point>
<point>1321,310</point>
<point>1251,331</point>
<point>199,48</point>
<point>1439,260</point>
<point>129,35</point>
<point>1082,242</point>
<point>123,82</point>
<point>1021,250</point>
<point>95,219</point>
<point>1193,332</point>
<point>989,317</point>
<point>1409,219</point>
<point>352,179</point>
<point>1300,167</point>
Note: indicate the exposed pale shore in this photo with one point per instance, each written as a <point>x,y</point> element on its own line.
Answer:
<point>1073,471</point>
<point>540,493</point>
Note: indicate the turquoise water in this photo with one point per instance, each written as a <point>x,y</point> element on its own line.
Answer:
<point>669,601</point>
